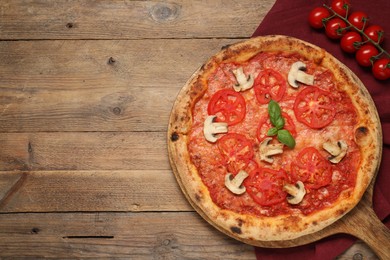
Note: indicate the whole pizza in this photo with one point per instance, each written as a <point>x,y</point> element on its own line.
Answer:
<point>273,138</point>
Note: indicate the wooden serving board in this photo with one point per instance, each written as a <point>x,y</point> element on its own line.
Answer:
<point>360,221</point>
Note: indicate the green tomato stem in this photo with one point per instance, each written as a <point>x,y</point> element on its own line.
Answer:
<point>350,25</point>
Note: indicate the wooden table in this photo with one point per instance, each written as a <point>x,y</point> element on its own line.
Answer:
<point>86,89</point>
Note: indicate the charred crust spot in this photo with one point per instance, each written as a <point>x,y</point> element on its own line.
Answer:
<point>315,223</point>
<point>361,132</point>
<point>236,230</point>
<point>240,222</point>
<point>225,57</point>
<point>198,197</point>
<point>340,212</point>
<point>196,91</point>
<point>225,46</point>
<point>174,137</point>
<point>198,86</point>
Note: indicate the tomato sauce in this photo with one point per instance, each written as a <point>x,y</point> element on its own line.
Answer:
<point>213,165</point>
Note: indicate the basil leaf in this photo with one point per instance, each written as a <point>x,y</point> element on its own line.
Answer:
<point>279,123</point>
<point>275,114</point>
<point>272,131</point>
<point>286,138</point>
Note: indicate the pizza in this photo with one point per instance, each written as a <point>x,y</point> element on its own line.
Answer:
<point>273,138</point>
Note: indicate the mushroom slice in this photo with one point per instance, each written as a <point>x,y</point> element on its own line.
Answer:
<point>297,74</point>
<point>234,184</point>
<point>243,82</point>
<point>337,150</point>
<point>296,192</point>
<point>267,150</point>
<point>210,128</point>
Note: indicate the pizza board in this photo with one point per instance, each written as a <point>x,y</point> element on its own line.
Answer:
<point>361,221</point>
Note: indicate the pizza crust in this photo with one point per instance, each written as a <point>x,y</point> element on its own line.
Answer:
<point>248,228</point>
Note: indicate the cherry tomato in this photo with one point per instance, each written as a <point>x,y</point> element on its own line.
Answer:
<point>365,53</point>
<point>381,69</point>
<point>350,42</point>
<point>265,186</point>
<point>265,124</point>
<point>375,33</point>
<point>340,6</point>
<point>316,17</point>
<point>358,19</point>
<point>269,84</point>
<point>314,107</point>
<point>334,28</point>
<point>228,105</point>
<point>235,149</point>
<point>311,168</point>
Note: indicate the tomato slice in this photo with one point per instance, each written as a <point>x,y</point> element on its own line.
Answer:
<point>314,107</point>
<point>269,84</point>
<point>234,167</point>
<point>311,168</point>
<point>229,106</point>
<point>236,149</point>
<point>265,124</point>
<point>265,186</point>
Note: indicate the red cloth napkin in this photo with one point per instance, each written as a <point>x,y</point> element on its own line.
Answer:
<point>289,17</point>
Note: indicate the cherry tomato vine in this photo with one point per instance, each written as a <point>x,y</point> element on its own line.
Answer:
<point>356,35</point>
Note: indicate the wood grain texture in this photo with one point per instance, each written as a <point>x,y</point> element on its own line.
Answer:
<point>117,19</point>
<point>86,88</point>
<point>81,191</point>
<point>167,235</point>
<point>95,85</point>
<point>84,151</point>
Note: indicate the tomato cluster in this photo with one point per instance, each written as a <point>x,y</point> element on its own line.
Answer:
<point>356,35</point>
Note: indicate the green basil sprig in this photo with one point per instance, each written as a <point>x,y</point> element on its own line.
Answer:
<point>275,115</point>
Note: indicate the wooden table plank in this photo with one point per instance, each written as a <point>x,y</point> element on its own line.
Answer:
<point>72,85</point>
<point>71,191</point>
<point>125,235</point>
<point>86,88</point>
<point>176,235</point>
<point>117,19</point>
<point>84,151</point>
<point>83,64</point>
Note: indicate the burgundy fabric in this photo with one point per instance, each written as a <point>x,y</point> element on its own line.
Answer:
<point>289,17</point>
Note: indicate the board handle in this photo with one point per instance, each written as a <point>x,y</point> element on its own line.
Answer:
<point>366,226</point>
